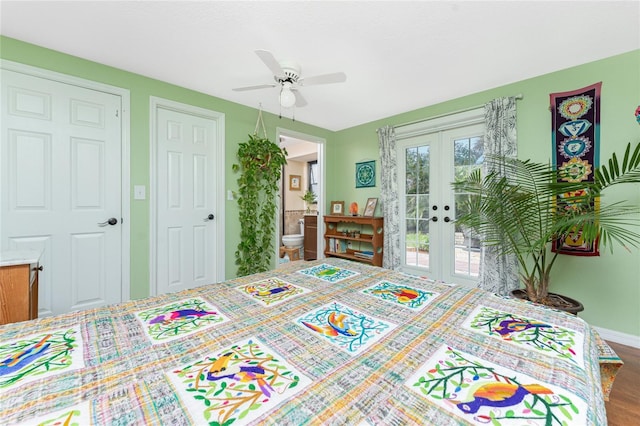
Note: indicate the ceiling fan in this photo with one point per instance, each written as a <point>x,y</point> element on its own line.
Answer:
<point>287,75</point>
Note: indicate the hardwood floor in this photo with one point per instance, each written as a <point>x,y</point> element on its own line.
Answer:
<point>623,408</point>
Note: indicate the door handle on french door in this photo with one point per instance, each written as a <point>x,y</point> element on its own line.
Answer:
<point>112,221</point>
<point>208,218</point>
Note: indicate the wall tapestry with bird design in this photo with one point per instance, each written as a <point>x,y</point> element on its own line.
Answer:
<point>176,320</point>
<point>412,298</point>
<point>345,327</point>
<point>323,342</point>
<point>271,291</point>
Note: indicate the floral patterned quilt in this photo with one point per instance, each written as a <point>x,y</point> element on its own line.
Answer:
<point>322,342</point>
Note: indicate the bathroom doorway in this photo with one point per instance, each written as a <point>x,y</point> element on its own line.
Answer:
<point>304,172</point>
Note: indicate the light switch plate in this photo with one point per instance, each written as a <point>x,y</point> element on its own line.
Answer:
<point>139,192</point>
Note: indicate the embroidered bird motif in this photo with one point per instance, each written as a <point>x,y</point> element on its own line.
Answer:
<point>17,361</point>
<point>328,272</point>
<point>336,325</point>
<point>507,327</point>
<point>403,295</point>
<point>255,292</point>
<point>179,314</point>
<point>498,394</point>
<point>220,369</point>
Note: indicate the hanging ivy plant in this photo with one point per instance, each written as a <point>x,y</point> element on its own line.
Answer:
<point>260,168</point>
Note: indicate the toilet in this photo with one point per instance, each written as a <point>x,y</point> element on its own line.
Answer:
<point>294,240</point>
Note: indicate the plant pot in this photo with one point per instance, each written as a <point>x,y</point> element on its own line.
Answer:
<point>554,300</point>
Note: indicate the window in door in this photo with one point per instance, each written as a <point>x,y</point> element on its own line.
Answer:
<point>312,167</point>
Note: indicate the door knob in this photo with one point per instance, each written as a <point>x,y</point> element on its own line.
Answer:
<point>208,218</point>
<point>112,221</point>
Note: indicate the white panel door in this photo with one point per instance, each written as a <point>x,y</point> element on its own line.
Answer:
<point>60,163</point>
<point>186,231</point>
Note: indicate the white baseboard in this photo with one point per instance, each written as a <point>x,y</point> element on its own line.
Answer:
<point>618,337</point>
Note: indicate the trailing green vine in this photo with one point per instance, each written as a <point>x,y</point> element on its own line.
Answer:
<point>260,168</point>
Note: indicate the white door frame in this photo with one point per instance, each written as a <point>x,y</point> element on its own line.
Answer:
<point>280,131</point>
<point>125,147</point>
<point>219,184</point>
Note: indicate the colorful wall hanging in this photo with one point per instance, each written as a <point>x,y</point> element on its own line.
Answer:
<point>575,135</point>
<point>366,174</point>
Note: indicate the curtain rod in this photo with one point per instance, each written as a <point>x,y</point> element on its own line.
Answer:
<point>517,97</point>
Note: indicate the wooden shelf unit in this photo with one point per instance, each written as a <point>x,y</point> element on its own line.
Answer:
<point>371,237</point>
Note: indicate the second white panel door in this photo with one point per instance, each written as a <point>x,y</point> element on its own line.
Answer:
<point>186,231</point>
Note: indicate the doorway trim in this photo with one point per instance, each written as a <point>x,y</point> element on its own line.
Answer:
<point>321,142</point>
<point>219,185</point>
<point>125,132</point>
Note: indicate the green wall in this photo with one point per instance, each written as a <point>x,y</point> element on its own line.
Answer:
<point>240,121</point>
<point>609,285</point>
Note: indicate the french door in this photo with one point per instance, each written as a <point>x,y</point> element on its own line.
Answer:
<point>431,243</point>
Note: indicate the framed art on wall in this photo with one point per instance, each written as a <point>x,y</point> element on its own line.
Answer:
<point>370,208</point>
<point>366,174</point>
<point>337,207</point>
<point>294,182</point>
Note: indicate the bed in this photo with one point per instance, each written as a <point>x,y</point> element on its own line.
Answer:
<point>322,342</point>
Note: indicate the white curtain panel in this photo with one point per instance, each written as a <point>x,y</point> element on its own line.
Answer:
<point>499,273</point>
<point>390,205</point>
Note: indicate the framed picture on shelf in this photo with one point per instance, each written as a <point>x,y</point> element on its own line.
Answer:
<point>366,174</point>
<point>294,182</point>
<point>337,207</point>
<point>370,208</point>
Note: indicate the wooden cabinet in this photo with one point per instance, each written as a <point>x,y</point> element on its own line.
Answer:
<point>310,237</point>
<point>19,286</point>
<point>354,237</point>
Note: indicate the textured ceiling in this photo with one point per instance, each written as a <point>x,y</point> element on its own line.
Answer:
<point>398,56</point>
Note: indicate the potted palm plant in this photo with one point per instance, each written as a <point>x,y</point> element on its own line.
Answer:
<point>528,206</point>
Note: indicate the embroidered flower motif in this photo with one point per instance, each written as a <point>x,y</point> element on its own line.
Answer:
<point>575,147</point>
<point>575,107</point>
<point>575,170</point>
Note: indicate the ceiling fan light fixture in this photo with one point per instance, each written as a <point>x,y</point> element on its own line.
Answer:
<point>287,97</point>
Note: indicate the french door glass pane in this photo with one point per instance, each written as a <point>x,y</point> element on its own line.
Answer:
<point>417,206</point>
<point>468,156</point>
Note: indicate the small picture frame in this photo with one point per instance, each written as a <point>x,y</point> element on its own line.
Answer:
<point>370,208</point>
<point>337,207</point>
<point>295,182</point>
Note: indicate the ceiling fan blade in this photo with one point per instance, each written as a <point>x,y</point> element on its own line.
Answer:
<point>300,101</point>
<point>260,86</point>
<point>270,62</point>
<point>336,77</point>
